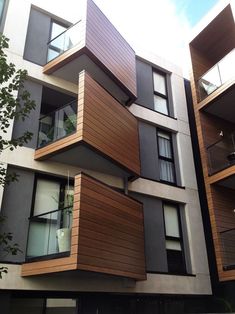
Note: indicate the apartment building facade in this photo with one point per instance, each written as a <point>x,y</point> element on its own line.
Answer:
<point>106,209</point>
<point>212,82</point>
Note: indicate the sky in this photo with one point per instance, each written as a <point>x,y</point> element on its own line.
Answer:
<point>162,27</point>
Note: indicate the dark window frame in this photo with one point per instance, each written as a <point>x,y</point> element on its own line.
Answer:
<point>155,92</point>
<point>171,160</point>
<point>179,239</point>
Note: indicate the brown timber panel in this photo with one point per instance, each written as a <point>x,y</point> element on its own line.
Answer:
<point>110,48</point>
<point>111,231</point>
<point>109,127</point>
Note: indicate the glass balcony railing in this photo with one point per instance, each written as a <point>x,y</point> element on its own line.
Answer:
<point>217,75</point>
<point>57,124</point>
<point>228,248</point>
<point>64,41</point>
<point>222,153</point>
<point>49,233</point>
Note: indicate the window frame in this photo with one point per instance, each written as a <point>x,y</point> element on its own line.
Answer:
<point>157,93</point>
<point>179,239</point>
<point>172,159</point>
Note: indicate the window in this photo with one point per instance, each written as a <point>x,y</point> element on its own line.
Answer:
<point>160,93</point>
<point>56,46</point>
<point>2,3</point>
<point>174,241</point>
<point>165,155</point>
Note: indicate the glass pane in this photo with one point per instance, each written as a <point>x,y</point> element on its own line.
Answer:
<point>60,306</point>
<point>164,145</point>
<point>52,54</point>
<point>210,81</point>
<point>225,68</point>
<point>167,171</point>
<point>173,245</point>
<point>159,83</point>
<point>2,2</point>
<point>56,30</point>
<point>58,124</point>
<point>160,104</point>
<point>47,196</point>
<point>171,221</point>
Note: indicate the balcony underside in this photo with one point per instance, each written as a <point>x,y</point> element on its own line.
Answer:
<point>107,234</point>
<point>106,134</point>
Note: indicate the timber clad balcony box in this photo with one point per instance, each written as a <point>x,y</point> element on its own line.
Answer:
<point>98,131</point>
<point>107,234</point>
<point>95,45</point>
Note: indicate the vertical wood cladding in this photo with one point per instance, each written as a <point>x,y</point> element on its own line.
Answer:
<point>110,48</point>
<point>212,44</point>
<point>107,234</point>
<point>104,124</point>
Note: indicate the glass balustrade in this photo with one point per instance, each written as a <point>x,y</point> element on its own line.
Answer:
<point>222,153</point>
<point>217,75</point>
<point>64,41</point>
<point>57,124</point>
<point>49,233</point>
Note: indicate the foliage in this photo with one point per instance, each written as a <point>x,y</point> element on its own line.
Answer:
<point>15,104</point>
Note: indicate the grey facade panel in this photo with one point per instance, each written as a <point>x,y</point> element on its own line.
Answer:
<point>148,151</point>
<point>16,207</point>
<point>155,249</point>
<point>37,37</point>
<point>31,123</point>
<point>144,84</point>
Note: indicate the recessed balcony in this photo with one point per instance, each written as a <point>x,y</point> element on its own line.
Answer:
<point>95,45</point>
<point>228,248</point>
<point>216,76</point>
<point>94,132</point>
<point>103,232</point>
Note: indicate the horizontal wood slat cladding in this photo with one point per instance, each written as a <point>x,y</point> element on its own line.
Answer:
<point>220,200</point>
<point>104,124</point>
<point>106,43</point>
<point>107,234</point>
<point>115,118</point>
<point>129,262</point>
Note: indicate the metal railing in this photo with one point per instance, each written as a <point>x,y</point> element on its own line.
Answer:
<point>222,153</point>
<point>64,41</point>
<point>57,124</point>
<point>228,247</point>
<point>217,75</point>
<point>49,233</point>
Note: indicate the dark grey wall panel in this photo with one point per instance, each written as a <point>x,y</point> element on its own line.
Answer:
<point>144,84</point>
<point>37,37</point>
<point>16,206</point>
<point>155,249</point>
<point>31,123</point>
<point>176,160</point>
<point>148,151</point>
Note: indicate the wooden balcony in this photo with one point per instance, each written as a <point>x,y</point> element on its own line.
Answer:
<point>106,134</point>
<point>95,45</point>
<point>107,234</point>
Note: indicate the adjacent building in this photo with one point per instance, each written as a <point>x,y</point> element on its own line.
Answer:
<point>106,209</point>
<point>213,58</point>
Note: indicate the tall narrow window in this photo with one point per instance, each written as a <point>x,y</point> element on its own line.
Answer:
<point>160,93</point>
<point>165,155</point>
<point>2,4</point>
<point>174,241</point>
<point>57,38</point>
